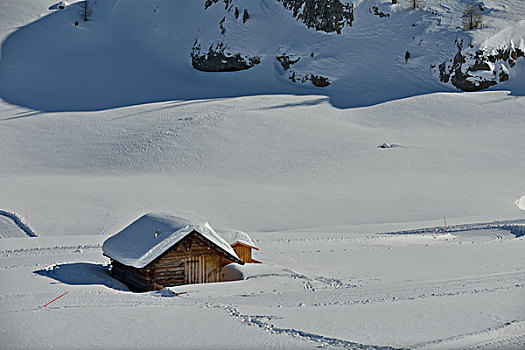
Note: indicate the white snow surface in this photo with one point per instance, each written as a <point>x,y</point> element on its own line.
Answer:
<point>107,120</point>
<point>512,36</point>
<point>345,290</point>
<point>148,237</point>
<point>9,229</point>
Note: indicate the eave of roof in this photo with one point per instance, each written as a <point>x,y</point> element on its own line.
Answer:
<point>245,244</point>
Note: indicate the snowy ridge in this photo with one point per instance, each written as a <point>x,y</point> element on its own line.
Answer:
<point>516,227</point>
<point>18,220</point>
<point>152,234</point>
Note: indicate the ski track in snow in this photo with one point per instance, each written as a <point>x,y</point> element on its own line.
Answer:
<point>259,321</point>
<point>23,252</point>
<point>513,337</point>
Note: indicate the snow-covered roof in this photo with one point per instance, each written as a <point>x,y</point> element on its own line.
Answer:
<point>233,236</point>
<point>145,239</point>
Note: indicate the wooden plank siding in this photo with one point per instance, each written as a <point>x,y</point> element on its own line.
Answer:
<point>243,252</point>
<point>192,260</point>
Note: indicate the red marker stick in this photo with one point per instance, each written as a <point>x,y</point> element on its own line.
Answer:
<point>56,298</point>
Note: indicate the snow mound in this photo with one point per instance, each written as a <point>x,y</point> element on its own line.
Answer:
<point>152,234</point>
<point>164,293</point>
<point>236,272</point>
<point>521,202</point>
<point>385,145</point>
<point>232,272</point>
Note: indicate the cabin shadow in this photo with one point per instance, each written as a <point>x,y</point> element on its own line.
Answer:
<point>82,273</point>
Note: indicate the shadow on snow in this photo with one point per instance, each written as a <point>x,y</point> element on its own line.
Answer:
<point>82,273</point>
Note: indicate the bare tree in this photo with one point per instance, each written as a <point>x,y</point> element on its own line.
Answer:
<point>472,15</point>
<point>86,10</point>
<point>415,4</point>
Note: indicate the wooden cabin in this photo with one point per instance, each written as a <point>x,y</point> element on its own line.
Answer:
<point>160,250</point>
<point>244,252</point>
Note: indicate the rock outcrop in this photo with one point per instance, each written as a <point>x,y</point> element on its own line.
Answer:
<point>287,61</point>
<point>478,70</point>
<point>323,15</point>
<point>217,59</point>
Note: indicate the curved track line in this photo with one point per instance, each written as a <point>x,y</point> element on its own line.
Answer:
<point>475,339</point>
<point>258,321</point>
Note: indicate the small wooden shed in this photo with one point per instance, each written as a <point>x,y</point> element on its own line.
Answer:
<point>160,250</point>
<point>242,244</point>
<point>244,252</point>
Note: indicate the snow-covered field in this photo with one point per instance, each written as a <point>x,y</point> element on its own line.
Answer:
<point>335,290</point>
<point>346,230</point>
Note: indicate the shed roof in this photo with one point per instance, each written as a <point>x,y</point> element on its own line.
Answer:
<point>138,244</point>
<point>235,236</point>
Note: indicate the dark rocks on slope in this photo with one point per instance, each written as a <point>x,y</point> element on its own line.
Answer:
<point>458,72</point>
<point>217,60</point>
<point>480,64</point>
<point>375,11</point>
<point>460,80</point>
<point>323,15</point>
<point>319,80</point>
<point>286,61</point>
<point>228,4</point>
<point>503,74</point>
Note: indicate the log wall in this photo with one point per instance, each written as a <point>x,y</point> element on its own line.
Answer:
<point>135,279</point>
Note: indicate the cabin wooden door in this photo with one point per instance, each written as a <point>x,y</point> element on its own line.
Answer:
<point>192,270</point>
<point>201,269</point>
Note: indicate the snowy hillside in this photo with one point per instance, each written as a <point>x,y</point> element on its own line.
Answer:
<point>339,158</point>
<point>148,50</point>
